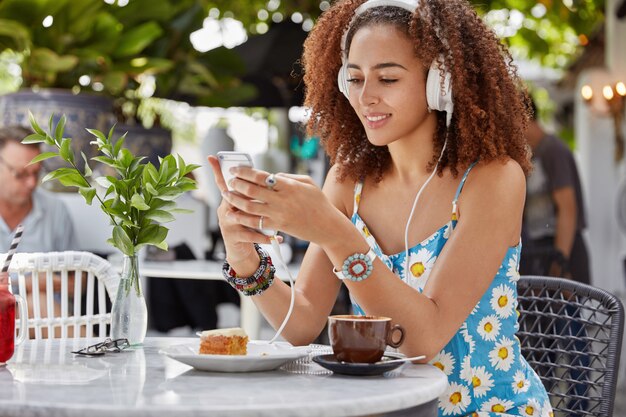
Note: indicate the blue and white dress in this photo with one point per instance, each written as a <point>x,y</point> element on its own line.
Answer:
<point>487,374</point>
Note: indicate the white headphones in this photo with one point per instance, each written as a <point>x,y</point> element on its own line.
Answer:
<point>438,83</point>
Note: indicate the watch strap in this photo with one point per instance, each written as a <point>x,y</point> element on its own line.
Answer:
<point>357,266</point>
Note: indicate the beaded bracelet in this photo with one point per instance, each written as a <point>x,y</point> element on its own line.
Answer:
<point>258,282</point>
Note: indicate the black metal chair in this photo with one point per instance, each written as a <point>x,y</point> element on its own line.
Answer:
<point>571,334</point>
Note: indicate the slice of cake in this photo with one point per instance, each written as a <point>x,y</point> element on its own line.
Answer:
<point>233,341</point>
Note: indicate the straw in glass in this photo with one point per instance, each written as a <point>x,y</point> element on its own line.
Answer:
<point>16,241</point>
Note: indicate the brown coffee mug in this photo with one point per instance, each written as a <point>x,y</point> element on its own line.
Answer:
<point>362,339</point>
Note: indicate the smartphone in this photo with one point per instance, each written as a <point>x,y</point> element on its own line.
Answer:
<point>230,159</point>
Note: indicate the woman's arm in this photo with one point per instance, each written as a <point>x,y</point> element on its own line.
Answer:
<point>316,288</point>
<point>491,207</point>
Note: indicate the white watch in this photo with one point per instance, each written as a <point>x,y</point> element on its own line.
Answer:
<point>357,266</point>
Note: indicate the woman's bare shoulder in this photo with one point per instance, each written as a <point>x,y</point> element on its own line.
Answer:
<point>505,175</point>
<point>499,184</point>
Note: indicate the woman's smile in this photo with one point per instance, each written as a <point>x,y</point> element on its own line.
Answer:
<point>376,120</point>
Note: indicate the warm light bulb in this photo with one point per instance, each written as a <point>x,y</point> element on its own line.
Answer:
<point>607,92</point>
<point>587,92</point>
<point>620,88</point>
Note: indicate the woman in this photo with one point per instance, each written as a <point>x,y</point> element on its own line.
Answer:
<point>400,142</point>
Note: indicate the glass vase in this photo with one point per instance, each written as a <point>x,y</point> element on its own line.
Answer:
<point>129,315</point>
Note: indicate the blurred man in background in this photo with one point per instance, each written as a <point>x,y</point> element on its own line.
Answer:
<point>46,221</point>
<point>554,215</point>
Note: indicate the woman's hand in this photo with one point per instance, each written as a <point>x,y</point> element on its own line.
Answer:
<point>294,205</point>
<point>238,239</point>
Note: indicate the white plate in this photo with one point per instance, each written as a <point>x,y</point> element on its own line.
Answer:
<point>261,356</point>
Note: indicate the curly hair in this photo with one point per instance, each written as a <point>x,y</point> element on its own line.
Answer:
<point>490,101</point>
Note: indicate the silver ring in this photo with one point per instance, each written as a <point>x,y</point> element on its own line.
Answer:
<point>271,181</point>
<point>261,223</point>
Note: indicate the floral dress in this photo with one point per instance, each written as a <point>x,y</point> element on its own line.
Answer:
<point>487,375</point>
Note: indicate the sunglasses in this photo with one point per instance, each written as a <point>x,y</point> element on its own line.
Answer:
<point>101,348</point>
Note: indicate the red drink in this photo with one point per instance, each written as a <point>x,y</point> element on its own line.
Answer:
<point>7,319</point>
<point>7,324</point>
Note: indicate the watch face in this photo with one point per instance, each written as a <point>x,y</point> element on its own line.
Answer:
<point>357,267</point>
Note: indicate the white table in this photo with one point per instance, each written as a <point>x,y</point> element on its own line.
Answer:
<point>210,270</point>
<point>44,379</point>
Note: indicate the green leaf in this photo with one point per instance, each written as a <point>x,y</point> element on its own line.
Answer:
<point>129,224</point>
<point>88,193</point>
<point>120,186</point>
<point>169,193</point>
<point>138,202</point>
<point>136,166</point>
<point>187,187</point>
<point>103,182</point>
<point>109,190</point>
<point>127,158</point>
<point>34,138</point>
<point>189,168</point>
<point>73,180</point>
<point>50,141</point>
<point>88,171</point>
<point>152,234</point>
<point>119,144</point>
<point>163,169</point>
<point>110,135</point>
<point>17,32</point>
<point>172,175</point>
<point>181,164</point>
<point>99,135</point>
<point>122,241</point>
<point>152,171</point>
<point>160,216</point>
<point>137,39</point>
<point>151,189</point>
<point>162,245</point>
<point>157,203</point>
<point>58,132</point>
<point>35,125</point>
<point>58,173</point>
<point>182,211</point>
<point>187,184</point>
<point>50,123</point>
<point>107,161</point>
<point>66,150</point>
<point>45,60</point>
<point>42,157</point>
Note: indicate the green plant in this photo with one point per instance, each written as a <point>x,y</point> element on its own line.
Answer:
<point>112,47</point>
<point>137,201</point>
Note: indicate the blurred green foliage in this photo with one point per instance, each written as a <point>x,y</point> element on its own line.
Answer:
<point>58,41</point>
<point>548,31</point>
<point>116,44</point>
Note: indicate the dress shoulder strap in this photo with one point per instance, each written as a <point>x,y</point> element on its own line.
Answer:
<point>458,192</point>
<point>358,188</point>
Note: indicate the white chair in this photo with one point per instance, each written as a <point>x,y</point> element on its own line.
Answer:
<point>88,269</point>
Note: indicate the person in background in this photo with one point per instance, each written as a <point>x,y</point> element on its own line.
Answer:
<point>46,221</point>
<point>554,214</point>
<point>445,265</point>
